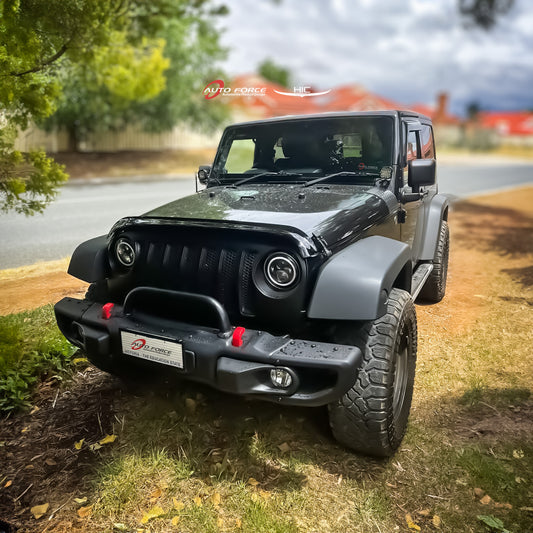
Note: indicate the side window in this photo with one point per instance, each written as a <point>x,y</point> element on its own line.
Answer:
<point>426,142</point>
<point>412,146</point>
<point>412,152</point>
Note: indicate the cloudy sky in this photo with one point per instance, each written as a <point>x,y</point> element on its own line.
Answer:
<point>406,50</point>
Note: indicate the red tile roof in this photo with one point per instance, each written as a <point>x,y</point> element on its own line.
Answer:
<point>343,98</point>
<point>508,123</point>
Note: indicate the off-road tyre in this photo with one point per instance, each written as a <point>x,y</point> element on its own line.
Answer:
<point>371,418</point>
<point>434,289</point>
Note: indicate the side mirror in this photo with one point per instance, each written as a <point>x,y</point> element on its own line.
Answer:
<point>421,172</point>
<point>203,173</point>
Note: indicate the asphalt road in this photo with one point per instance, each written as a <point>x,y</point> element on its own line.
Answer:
<point>85,211</point>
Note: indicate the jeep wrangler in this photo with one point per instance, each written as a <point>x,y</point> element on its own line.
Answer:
<point>289,277</point>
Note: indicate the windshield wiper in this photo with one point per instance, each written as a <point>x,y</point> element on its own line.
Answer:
<point>261,174</point>
<point>251,178</point>
<point>343,173</point>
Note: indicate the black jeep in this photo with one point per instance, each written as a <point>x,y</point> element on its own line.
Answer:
<point>290,277</point>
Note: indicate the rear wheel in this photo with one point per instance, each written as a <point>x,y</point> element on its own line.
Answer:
<point>435,287</point>
<point>371,417</point>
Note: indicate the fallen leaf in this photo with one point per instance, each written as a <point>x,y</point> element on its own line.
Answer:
<point>492,522</point>
<point>178,505</point>
<point>410,523</point>
<point>284,447</point>
<point>79,444</point>
<point>8,484</point>
<point>120,527</point>
<point>198,501</point>
<point>215,499</point>
<point>84,512</point>
<point>190,405</point>
<point>156,494</point>
<point>519,479</point>
<point>252,481</point>
<point>479,493</point>
<point>485,500</point>
<point>107,439</point>
<point>424,512</point>
<point>503,505</point>
<point>39,510</point>
<point>94,447</point>
<point>81,501</point>
<point>518,454</point>
<point>436,521</point>
<point>154,512</point>
<point>175,520</point>
<point>23,430</point>
<point>527,509</point>
<point>50,462</point>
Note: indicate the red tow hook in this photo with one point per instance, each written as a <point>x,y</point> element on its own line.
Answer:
<point>107,310</point>
<point>236,340</point>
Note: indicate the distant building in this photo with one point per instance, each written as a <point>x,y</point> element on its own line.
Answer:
<point>511,127</point>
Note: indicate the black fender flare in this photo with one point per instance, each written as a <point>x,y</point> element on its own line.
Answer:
<point>90,262</point>
<point>355,283</point>
<point>437,211</point>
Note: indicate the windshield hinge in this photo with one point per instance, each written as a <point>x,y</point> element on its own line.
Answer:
<point>321,245</point>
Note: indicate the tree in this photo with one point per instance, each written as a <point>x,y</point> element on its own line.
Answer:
<point>90,103</point>
<point>113,48</point>
<point>484,13</point>
<point>275,73</point>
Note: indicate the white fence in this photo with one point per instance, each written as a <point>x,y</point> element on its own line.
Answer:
<point>129,139</point>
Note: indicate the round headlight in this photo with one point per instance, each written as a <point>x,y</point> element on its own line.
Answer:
<point>125,252</point>
<point>281,271</point>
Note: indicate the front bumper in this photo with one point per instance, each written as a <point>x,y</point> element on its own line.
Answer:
<point>321,372</point>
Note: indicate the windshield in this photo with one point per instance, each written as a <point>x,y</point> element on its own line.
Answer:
<point>354,149</point>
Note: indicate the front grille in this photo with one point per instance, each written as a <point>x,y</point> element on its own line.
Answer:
<point>224,274</point>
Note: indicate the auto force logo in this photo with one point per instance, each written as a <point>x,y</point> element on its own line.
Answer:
<point>138,344</point>
<point>218,87</point>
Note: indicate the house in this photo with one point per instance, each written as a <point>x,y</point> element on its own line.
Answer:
<point>511,127</point>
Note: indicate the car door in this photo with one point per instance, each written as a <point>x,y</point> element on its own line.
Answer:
<point>412,213</point>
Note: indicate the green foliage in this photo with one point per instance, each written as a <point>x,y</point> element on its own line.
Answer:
<point>28,181</point>
<point>31,347</point>
<point>157,90</point>
<point>275,73</point>
<point>98,63</point>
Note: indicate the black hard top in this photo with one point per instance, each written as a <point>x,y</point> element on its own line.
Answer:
<point>339,114</point>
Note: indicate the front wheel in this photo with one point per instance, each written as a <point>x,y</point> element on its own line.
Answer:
<point>371,417</point>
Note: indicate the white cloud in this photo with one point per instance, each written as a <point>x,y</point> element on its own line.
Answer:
<point>407,51</point>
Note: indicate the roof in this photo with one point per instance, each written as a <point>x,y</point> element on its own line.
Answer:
<point>508,122</point>
<point>335,114</point>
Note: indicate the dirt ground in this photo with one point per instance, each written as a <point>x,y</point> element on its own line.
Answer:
<point>44,466</point>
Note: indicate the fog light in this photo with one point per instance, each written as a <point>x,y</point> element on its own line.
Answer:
<point>281,378</point>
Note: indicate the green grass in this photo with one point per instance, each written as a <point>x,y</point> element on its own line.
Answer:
<point>31,348</point>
